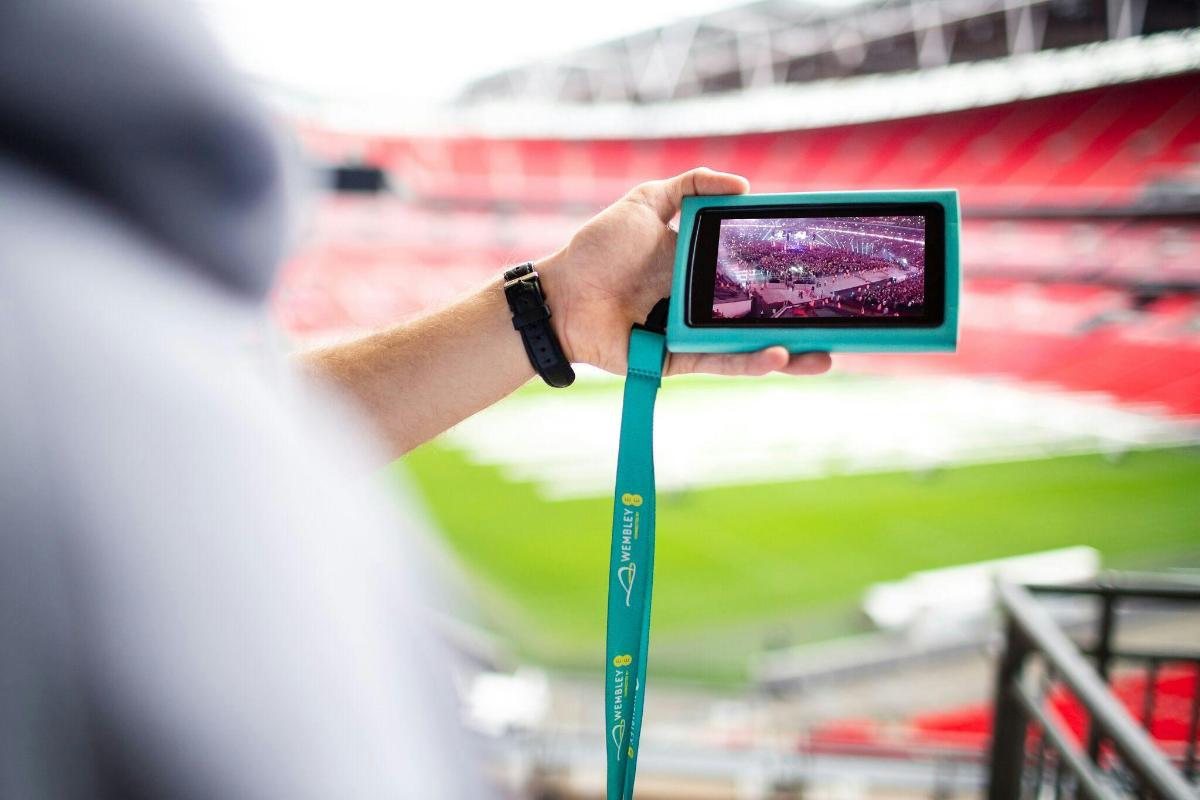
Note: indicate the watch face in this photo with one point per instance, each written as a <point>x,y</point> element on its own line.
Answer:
<point>518,271</point>
<point>864,265</point>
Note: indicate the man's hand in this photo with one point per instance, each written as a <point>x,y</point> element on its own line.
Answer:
<point>618,265</point>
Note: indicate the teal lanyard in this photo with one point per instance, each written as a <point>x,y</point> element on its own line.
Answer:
<point>631,565</point>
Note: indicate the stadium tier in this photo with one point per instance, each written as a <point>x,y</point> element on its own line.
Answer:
<point>969,728</point>
<point>372,262</point>
<point>1080,273</point>
<point>1112,147</point>
<point>1077,337</point>
<point>381,234</point>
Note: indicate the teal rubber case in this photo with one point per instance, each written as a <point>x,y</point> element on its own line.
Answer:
<point>683,338</point>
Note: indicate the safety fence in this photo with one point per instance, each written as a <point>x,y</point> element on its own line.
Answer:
<point>1059,728</point>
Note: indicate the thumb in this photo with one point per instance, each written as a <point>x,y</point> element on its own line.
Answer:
<point>666,196</point>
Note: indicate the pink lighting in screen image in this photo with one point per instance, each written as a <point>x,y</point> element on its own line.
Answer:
<point>820,267</point>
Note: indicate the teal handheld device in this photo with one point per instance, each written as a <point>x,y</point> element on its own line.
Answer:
<point>833,271</point>
<point>839,271</point>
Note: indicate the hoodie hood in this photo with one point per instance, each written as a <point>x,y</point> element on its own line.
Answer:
<point>129,102</point>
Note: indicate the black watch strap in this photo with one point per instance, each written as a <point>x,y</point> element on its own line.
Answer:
<point>531,318</point>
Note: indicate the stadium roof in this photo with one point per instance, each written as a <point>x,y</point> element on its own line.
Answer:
<point>769,65</point>
<point>814,104</point>
<point>777,42</point>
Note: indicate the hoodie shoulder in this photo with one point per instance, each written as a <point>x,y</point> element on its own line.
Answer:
<point>130,102</point>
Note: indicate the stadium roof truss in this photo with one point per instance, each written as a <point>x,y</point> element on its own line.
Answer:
<point>829,102</point>
<point>780,42</point>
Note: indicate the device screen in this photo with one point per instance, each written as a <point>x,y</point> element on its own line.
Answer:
<point>813,267</point>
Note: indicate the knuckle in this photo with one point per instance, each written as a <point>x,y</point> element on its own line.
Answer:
<point>644,189</point>
<point>641,196</point>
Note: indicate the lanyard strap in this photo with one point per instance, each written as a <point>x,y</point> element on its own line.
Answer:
<point>631,564</point>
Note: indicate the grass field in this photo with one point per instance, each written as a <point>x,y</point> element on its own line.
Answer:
<point>741,567</point>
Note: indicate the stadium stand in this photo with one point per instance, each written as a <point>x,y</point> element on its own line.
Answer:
<point>969,728</point>
<point>1098,149</point>
<point>1061,189</point>
<point>370,262</point>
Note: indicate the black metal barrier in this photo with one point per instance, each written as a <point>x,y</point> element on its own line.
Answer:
<point>1034,752</point>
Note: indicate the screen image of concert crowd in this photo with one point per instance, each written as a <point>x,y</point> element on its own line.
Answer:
<point>795,267</point>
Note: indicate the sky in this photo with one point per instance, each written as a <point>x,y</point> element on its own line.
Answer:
<point>419,52</point>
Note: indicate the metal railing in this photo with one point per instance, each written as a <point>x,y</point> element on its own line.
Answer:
<point>1035,752</point>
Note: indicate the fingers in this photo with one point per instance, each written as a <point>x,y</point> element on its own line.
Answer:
<point>666,196</point>
<point>808,364</point>
<point>709,181</point>
<point>772,359</point>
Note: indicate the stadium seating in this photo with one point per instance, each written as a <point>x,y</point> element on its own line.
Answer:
<point>370,262</point>
<point>1076,337</point>
<point>968,728</point>
<point>1045,251</point>
<point>1092,149</point>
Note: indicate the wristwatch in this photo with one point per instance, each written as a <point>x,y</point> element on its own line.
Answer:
<point>531,319</point>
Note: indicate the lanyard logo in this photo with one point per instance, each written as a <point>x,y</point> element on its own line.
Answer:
<point>625,576</point>
<point>634,500</point>
<point>618,733</point>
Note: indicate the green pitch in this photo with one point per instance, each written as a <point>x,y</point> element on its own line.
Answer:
<point>743,568</point>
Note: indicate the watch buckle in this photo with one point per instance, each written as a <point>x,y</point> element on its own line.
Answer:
<point>528,276</point>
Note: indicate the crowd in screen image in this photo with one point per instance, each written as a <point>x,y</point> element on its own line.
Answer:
<point>820,267</point>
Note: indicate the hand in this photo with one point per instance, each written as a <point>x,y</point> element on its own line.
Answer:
<point>619,264</point>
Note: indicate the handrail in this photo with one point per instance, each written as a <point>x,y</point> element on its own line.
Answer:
<point>1163,656</point>
<point>1138,751</point>
<point>1093,787</point>
<point>1131,587</point>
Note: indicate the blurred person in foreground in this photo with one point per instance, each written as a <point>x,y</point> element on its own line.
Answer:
<point>202,593</point>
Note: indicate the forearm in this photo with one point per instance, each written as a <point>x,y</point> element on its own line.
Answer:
<point>416,380</point>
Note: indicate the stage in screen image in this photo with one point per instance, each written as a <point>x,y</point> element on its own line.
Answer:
<point>796,267</point>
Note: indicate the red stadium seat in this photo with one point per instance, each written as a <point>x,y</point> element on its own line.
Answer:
<point>1090,149</point>
<point>969,728</point>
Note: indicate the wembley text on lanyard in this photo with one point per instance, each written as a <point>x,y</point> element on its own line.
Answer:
<point>631,566</point>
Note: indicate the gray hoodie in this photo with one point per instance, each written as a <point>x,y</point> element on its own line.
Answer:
<point>201,593</point>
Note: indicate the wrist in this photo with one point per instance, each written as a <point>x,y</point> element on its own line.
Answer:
<point>500,325</point>
<point>552,273</point>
